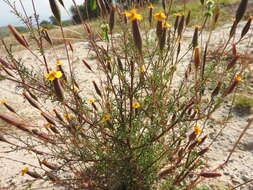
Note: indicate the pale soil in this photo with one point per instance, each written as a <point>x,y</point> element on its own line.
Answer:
<point>239,169</point>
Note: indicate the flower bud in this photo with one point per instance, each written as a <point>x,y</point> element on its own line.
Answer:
<point>241,10</point>
<point>209,175</point>
<point>197,58</point>
<point>56,11</point>
<point>18,36</point>
<point>97,89</point>
<point>188,18</point>
<point>137,35</point>
<point>181,26</point>
<point>58,89</point>
<point>246,27</point>
<point>112,18</point>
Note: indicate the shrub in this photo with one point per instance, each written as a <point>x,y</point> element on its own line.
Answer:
<point>87,12</point>
<point>22,29</point>
<point>53,20</point>
<point>243,105</point>
<point>46,24</point>
<point>142,126</point>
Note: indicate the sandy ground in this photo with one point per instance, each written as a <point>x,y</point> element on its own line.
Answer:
<point>239,169</point>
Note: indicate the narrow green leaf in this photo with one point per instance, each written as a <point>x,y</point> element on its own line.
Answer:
<point>93,4</point>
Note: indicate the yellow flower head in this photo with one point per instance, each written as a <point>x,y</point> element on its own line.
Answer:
<point>199,140</point>
<point>91,101</point>
<point>48,125</point>
<point>53,75</point>
<point>177,14</point>
<point>166,25</point>
<point>3,101</point>
<point>68,115</point>
<point>238,78</point>
<point>78,127</point>
<point>106,117</point>
<point>58,63</point>
<point>133,15</point>
<point>136,105</point>
<point>142,69</point>
<point>24,171</point>
<point>160,16</point>
<point>196,26</point>
<point>197,130</point>
<point>75,89</point>
<point>42,29</point>
<point>151,6</point>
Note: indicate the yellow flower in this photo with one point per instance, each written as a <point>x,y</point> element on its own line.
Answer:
<point>3,101</point>
<point>78,127</point>
<point>75,89</point>
<point>166,25</point>
<point>91,101</point>
<point>196,26</point>
<point>160,16</point>
<point>58,63</point>
<point>197,130</point>
<point>177,14</point>
<point>136,105</point>
<point>43,29</point>
<point>133,15</point>
<point>48,125</point>
<point>68,115</point>
<point>106,117</point>
<point>238,78</point>
<point>142,69</point>
<point>53,75</point>
<point>199,140</point>
<point>151,6</point>
<point>24,171</point>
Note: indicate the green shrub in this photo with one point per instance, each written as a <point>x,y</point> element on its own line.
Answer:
<point>243,105</point>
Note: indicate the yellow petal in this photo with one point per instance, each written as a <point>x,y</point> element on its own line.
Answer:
<point>91,101</point>
<point>138,17</point>
<point>58,63</point>
<point>128,14</point>
<point>24,171</point>
<point>142,69</point>
<point>3,101</point>
<point>58,74</point>
<point>106,117</point>
<point>136,105</point>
